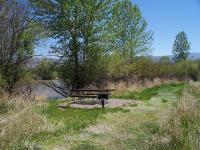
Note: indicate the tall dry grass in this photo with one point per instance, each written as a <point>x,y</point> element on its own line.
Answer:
<point>19,121</point>
<point>181,131</point>
<point>138,85</point>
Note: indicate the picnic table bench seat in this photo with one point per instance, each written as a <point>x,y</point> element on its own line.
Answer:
<point>100,94</point>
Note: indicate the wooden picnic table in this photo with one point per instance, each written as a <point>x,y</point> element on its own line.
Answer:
<point>100,94</point>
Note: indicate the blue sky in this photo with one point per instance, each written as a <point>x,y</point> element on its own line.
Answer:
<point>168,17</point>
<point>165,18</point>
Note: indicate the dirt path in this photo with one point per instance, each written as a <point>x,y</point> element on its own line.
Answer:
<point>111,103</point>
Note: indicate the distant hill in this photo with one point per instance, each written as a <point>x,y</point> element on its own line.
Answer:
<point>33,62</point>
<point>192,56</point>
<point>37,60</point>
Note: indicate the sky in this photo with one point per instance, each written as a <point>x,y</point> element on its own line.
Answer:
<point>165,18</point>
<point>168,17</point>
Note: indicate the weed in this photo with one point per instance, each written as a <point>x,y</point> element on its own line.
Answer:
<point>164,100</point>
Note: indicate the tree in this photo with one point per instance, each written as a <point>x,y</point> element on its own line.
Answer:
<point>77,25</point>
<point>181,47</point>
<point>87,33</point>
<point>127,30</point>
<point>16,40</point>
<point>46,70</point>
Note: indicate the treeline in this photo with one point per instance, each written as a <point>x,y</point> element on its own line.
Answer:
<point>96,41</point>
<point>142,69</point>
<point>147,69</point>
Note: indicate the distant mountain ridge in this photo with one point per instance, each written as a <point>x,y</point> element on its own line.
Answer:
<point>37,60</point>
<point>192,56</point>
<point>33,62</point>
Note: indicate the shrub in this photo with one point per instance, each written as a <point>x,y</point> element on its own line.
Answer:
<point>46,70</point>
<point>144,68</point>
<point>186,69</point>
<point>198,73</point>
<point>116,71</point>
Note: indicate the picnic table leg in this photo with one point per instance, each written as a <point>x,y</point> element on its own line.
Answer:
<point>102,103</point>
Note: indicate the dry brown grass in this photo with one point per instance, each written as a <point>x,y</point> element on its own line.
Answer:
<point>19,122</point>
<point>181,130</point>
<point>137,85</point>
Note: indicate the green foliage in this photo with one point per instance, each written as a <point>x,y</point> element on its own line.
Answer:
<point>18,36</point>
<point>127,30</point>
<point>181,47</point>
<point>146,94</point>
<point>186,69</point>
<point>115,69</point>
<point>46,70</point>
<point>87,33</point>
<point>198,68</point>
<point>78,27</point>
<point>144,68</point>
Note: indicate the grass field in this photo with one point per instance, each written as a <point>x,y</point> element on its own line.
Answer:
<point>146,94</point>
<point>160,120</point>
<point>114,129</point>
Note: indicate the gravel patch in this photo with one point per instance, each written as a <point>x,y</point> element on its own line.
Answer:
<point>111,103</point>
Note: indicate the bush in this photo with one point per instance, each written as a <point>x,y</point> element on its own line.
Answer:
<point>186,69</point>
<point>116,71</point>
<point>144,68</point>
<point>46,70</point>
<point>198,73</point>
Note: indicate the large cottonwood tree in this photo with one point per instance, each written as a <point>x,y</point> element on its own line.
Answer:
<point>88,31</point>
<point>78,26</point>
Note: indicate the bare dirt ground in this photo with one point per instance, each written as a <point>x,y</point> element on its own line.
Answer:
<point>111,103</point>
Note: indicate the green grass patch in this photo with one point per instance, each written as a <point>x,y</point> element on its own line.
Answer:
<point>146,94</point>
<point>87,146</point>
<point>72,120</point>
